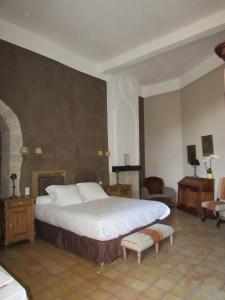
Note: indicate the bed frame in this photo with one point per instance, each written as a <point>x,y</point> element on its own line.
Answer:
<point>97,251</point>
<point>94,250</point>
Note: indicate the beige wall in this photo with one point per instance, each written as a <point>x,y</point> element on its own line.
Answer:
<point>163,138</point>
<point>177,119</point>
<point>203,113</point>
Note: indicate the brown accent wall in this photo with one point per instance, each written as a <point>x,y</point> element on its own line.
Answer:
<point>60,109</point>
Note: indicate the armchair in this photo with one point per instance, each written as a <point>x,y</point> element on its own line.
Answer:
<point>154,189</point>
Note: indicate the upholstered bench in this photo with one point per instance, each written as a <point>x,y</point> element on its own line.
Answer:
<point>145,238</point>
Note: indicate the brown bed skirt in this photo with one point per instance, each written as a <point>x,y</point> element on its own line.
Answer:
<point>94,250</point>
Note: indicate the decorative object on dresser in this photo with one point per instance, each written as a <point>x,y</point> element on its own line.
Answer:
<point>154,189</point>
<point>13,176</point>
<point>195,163</point>
<point>208,169</point>
<point>120,190</point>
<point>119,169</point>
<point>18,219</point>
<point>192,191</point>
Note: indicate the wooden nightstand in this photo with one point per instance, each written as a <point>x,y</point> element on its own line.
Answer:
<point>120,190</point>
<point>18,219</point>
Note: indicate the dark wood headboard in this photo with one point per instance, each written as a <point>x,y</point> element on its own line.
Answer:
<point>85,175</point>
<point>42,179</point>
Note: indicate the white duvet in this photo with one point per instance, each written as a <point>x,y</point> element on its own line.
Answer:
<point>103,219</point>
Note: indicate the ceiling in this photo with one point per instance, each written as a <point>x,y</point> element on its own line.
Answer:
<point>153,40</point>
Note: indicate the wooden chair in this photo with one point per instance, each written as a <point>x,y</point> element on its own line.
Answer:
<point>215,208</point>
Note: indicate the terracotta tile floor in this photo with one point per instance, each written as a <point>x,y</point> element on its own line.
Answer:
<point>194,268</point>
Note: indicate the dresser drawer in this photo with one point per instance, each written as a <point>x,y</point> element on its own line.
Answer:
<point>120,190</point>
<point>17,203</point>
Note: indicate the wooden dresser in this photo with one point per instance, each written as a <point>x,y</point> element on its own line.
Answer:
<point>192,191</point>
<point>120,190</point>
<point>18,221</point>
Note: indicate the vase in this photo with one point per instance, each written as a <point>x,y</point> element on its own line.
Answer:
<point>210,175</point>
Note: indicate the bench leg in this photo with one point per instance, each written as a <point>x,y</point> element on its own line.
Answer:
<point>171,240</point>
<point>139,257</point>
<point>157,248</point>
<point>124,252</point>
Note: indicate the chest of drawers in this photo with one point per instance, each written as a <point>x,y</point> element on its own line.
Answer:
<point>18,219</point>
<point>120,190</point>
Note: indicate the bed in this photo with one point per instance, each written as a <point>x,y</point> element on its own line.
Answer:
<point>92,229</point>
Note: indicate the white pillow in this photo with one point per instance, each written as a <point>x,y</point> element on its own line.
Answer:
<point>41,200</point>
<point>91,191</point>
<point>63,195</point>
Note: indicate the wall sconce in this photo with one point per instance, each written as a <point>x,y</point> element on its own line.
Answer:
<point>100,153</point>
<point>24,151</point>
<point>107,153</point>
<point>103,153</point>
<point>38,152</point>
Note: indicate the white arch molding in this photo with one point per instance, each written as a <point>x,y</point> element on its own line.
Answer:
<point>12,140</point>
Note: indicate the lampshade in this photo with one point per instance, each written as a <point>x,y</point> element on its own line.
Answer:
<point>100,153</point>
<point>195,162</point>
<point>107,153</point>
<point>24,150</point>
<point>38,151</point>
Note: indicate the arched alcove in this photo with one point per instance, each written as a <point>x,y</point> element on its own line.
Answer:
<point>11,142</point>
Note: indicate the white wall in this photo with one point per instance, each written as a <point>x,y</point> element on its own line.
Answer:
<point>203,113</point>
<point>177,119</point>
<point>163,138</point>
<point>123,126</point>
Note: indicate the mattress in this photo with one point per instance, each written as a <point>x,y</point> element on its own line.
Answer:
<point>103,219</point>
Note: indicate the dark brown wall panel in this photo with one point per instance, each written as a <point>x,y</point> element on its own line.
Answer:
<point>142,141</point>
<point>60,109</point>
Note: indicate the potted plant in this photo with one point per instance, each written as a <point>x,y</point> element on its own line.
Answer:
<point>209,169</point>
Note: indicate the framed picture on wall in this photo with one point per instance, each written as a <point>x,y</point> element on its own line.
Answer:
<point>207,145</point>
<point>191,153</point>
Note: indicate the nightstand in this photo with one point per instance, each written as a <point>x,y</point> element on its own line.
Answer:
<point>18,219</point>
<point>120,190</point>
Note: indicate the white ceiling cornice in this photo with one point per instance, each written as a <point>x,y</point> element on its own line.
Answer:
<point>159,88</point>
<point>178,83</point>
<point>203,28</point>
<point>26,39</point>
<point>193,32</point>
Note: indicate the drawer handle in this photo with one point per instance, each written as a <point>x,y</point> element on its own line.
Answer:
<point>10,224</point>
<point>20,202</point>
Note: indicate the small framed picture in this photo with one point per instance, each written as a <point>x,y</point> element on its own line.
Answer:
<point>191,153</point>
<point>207,145</point>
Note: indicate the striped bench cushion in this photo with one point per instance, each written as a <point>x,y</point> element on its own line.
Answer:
<point>147,237</point>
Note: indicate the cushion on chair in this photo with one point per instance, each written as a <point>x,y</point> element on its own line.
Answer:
<point>214,205</point>
<point>154,185</point>
<point>221,189</point>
